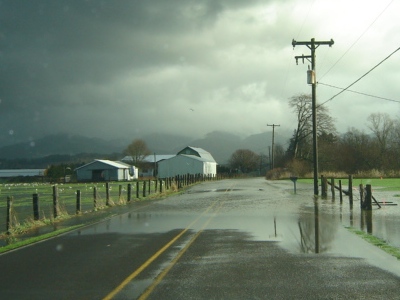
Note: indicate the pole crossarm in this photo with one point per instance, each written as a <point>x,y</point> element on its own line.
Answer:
<point>308,57</point>
<point>312,42</point>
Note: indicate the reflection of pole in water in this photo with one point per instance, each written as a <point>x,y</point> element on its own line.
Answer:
<point>341,212</point>
<point>275,229</point>
<point>305,228</point>
<point>351,217</point>
<point>316,224</point>
<point>366,217</point>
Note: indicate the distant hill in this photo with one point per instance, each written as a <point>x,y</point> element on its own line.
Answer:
<point>220,144</point>
<point>59,144</point>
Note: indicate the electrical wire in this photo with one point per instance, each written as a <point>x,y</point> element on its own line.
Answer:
<point>360,93</point>
<point>352,45</point>
<point>346,88</point>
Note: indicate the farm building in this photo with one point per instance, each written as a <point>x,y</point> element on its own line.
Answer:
<point>149,163</point>
<point>106,170</point>
<point>189,160</point>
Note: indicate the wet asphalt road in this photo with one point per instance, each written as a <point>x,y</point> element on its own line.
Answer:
<point>231,239</point>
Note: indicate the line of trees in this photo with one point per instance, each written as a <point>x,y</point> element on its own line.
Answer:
<point>353,152</point>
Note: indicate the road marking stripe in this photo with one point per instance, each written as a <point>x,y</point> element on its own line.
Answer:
<point>161,276</point>
<point>154,257</point>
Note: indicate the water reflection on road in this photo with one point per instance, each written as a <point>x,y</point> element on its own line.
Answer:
<point>269,211</point>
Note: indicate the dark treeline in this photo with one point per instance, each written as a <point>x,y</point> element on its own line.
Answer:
<point>46,161</point>
<point>356,151</point>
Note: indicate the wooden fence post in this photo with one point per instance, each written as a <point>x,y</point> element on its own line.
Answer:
<point>9,208</point>
<point>161,186</point>
<point>95,197</point>
<point>351,190</point>
<point>149,188</point>
<point>129,192</point>
<point>137,189</point>
<point>35,198</point>
<point>368,198</point>
<point>56,209</point>
<point>120,192</point>
<point>107,194</point>
<point>333,187</point>
<point>144,188</point>
<point>340,191</point>
<point>323,186</point>
<point>361,195</point>
<point>78,202</point>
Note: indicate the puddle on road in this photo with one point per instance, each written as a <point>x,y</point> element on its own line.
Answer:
<point>213,190</point>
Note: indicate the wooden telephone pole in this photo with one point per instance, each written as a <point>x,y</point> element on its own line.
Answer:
<point>313,45</point>
<point>273,144</point>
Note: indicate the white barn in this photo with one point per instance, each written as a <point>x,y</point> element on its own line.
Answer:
<point>190,160</point>
<point>106,170</point>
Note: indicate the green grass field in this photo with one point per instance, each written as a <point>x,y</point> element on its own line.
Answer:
<point>22,194</point>
<point>385,184</point>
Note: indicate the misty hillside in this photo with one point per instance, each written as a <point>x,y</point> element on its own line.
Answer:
<point>220,144</point>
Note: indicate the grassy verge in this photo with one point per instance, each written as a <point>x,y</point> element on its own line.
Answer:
<point>29,224</point>
<point>18,244</point>
<point>385,184</point>
<point>376,242</point>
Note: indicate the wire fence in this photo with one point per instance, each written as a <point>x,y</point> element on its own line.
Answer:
<point>26,202</point>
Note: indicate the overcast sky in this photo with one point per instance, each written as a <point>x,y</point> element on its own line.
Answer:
<point>189,67</point>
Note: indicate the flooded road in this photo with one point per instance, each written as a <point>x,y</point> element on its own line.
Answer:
<point>229,239</point>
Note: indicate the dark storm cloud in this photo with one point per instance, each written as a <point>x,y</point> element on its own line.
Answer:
<point>83,65</point>
<point>48,45</point>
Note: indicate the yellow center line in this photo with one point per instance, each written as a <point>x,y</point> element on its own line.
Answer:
<point>161,276</point>
<point>154,257</point>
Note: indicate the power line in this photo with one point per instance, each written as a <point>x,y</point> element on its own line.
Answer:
<point>352,45</point>
<point>360,93</point>
<point>382,61</point>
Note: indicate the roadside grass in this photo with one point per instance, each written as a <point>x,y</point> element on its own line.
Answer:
<point>376,242</point>
<point>14,243</point>
<point>23,223</point>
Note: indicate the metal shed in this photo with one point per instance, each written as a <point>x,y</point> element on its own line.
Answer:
<point>189,160</point>
<point>106,170</point>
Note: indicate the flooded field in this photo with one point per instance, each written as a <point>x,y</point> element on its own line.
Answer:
<point>382,222</point>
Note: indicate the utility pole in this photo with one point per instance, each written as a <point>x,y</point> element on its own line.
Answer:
<point>269,157</point>
<point>273,142</point>
<point>313,45</point>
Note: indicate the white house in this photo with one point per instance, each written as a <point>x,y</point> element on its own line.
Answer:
<point>189,160</point>
<point>106,170</point>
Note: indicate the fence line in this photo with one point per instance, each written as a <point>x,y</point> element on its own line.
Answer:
<point>90,198</point>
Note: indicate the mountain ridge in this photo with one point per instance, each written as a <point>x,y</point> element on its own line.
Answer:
<point>220,144</point>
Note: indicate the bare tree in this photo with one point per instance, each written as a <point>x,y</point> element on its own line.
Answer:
<point>382,126</point>
<point>244,160</point>
<point>356,152</point>
<point>138,151</point>
<point>384,130</point>
<point>300,143</point>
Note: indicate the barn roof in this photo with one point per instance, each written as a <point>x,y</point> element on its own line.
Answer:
<point>150,158</point>
<point>199,152</point>
<point>115,164</point>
